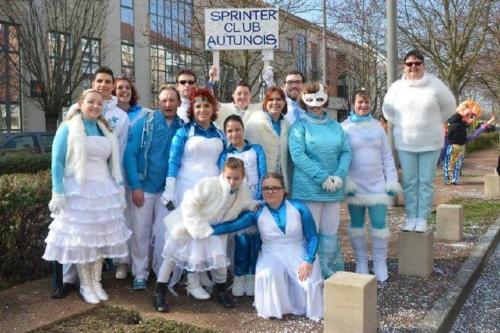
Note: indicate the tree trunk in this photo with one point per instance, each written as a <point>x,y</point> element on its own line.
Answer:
<point>50,122</point>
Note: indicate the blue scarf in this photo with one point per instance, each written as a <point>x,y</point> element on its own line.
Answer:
<point>355,118</point>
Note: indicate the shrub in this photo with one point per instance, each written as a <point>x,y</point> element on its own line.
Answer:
<point>24,220</point>
<point>484,141</point>
<point>24,163</point>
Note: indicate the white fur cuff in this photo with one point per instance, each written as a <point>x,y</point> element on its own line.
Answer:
<point>337,181</point>
<point>357,232</point>
<point>381,233</point>
<point>350,186</point>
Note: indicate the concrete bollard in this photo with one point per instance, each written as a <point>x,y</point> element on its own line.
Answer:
<point>351,303</point>
<point>491,186</point>
<point>450,222</point>
<point>415,253</point>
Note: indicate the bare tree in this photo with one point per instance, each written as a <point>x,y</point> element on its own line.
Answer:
<point>55,39</point>
<point>452,33</point>
<point>362,23</point>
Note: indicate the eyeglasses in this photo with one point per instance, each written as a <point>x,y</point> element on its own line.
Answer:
<point>272,188</point>
<point>410,64</point>
<point>294,82</point>
<point>183,82</point>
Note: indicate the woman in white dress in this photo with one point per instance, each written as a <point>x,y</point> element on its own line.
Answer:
<point>87,197</point>
<point>194,155</point>
<point>287,276</point>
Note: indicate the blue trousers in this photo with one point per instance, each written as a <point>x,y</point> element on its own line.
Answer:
<point>377,215</point>
<point>419,171</point>
<point>246,250</point>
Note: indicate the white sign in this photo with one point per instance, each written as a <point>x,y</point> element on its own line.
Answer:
<point>241,29</point>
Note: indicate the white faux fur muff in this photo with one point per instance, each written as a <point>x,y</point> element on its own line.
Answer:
<point>204,205</point>
<point>76,156</point>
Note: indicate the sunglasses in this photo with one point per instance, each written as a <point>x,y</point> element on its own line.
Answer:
<point>183,82</point>
<point>416,63</point>
<point>272,188</point>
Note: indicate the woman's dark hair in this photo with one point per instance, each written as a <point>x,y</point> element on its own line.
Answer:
<point>310,88</point>
<point>204,93</point>
<point>234,163</point>
<point>242,84</point>
<point>233,117</point>
<point>416,53</point>
<point>360,92</point>
<point>279,177</point>
<point>267,97</point>
<point>134,95</point>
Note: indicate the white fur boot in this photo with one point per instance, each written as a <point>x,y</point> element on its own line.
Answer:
<point>379,250</point>
<point>238,288</point>
<point>194,287</point>
<point>357,236</point>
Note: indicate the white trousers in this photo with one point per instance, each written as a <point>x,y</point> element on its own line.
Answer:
<point>141,240</point>
<point>326,215</point>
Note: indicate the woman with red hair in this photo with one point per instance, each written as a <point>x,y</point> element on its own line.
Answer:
<point>270,130</point>
<point>194,154</point>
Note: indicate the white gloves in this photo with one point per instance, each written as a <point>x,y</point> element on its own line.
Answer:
<point>337,181</point>
<point>267,76</point>
<point>328,185</point>
<point>57,203</point>
<point>168,194</point>
<point>332,184</point>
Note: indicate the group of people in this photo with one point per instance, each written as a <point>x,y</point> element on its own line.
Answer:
<point>253,187</point>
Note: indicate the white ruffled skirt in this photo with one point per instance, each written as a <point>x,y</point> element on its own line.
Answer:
<point>91,226</point>
<point>197,255</point>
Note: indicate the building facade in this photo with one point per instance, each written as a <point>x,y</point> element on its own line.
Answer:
<point>150,41</point>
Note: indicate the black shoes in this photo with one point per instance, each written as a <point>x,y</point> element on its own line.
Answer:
<point>223,296</point>
<point>159,301</point>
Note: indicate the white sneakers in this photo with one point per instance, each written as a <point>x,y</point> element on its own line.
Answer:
<point>410,224</point>
<point>121,271</point>
<point>421,225</point>
<point>415,224</point>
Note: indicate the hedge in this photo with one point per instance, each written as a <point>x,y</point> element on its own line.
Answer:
<point>484,141</point>
<point>24,221</point>
<point>24,163</point>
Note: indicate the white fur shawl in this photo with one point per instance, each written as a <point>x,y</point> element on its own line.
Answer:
<point>260,130</point>
<point>205,204</point>
<point>76,156</point>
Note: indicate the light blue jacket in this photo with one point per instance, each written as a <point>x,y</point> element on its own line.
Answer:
<point>148,148</point>
<point>319,149</point>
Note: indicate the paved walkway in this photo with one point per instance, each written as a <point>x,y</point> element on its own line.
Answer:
<point>28,306</point>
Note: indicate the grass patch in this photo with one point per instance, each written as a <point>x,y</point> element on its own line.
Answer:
<point>479,214</point>
<point>112,319</point>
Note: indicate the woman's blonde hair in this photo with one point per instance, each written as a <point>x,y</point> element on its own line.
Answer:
<point>470,104</point>
<point>79,110</point>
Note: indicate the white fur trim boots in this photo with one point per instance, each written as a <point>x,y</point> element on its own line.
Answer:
<point>358,240</point>
<point>379,251</point>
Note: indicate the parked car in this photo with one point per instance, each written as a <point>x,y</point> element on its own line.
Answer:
<point>27,142</point>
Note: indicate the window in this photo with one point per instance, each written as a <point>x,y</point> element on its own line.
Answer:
<point>170,40</point>
<point>127,37</point>
<point>300,53</point>
<point>289,45</point>
<point>314,62</point>
<point>91,55</point>
<point>21,142</point>
<point>59,51</point>
<point>10,85</point>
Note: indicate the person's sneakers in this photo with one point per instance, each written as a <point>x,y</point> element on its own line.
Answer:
<point>410,224</point>
<point>421,225</point>
<point>121,271</point>
<point>238,288</point>
<point>140,284</point>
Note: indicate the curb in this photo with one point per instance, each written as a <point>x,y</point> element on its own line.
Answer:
<point>446,309</point>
